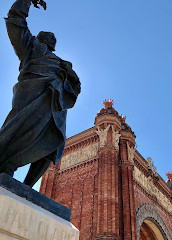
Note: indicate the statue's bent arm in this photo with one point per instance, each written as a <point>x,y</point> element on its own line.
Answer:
<point>18,31</point>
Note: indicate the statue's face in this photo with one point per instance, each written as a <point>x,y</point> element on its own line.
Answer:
<point>49,39</point>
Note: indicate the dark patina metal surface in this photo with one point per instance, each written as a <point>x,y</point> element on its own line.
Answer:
<point>34,131</point>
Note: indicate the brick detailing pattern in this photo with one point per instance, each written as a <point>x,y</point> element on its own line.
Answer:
<point>77,189</point>
<point>150,212</point>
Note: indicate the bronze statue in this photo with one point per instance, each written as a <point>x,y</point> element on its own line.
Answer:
<point>41,2</point>
<point>34,131</point>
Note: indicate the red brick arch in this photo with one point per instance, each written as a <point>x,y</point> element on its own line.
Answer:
<point>150,212</point>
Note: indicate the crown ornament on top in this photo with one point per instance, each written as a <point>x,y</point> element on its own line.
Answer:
<point>108,103</point>
<point>169,175</point>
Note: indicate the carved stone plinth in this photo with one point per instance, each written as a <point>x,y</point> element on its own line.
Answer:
<point>22,219</point>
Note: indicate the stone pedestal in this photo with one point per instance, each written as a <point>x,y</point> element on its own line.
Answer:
<point>28,215</point>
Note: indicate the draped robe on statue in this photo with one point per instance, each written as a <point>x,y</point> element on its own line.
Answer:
<point>34,131</point>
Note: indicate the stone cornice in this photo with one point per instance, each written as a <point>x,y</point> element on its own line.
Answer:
<point>141,163</point>
<point>127,136</point>
<point>80,136</point>
<point>81,140</point>
<point>108,119</point>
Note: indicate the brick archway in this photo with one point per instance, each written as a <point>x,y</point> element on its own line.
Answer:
<point>149,212</point>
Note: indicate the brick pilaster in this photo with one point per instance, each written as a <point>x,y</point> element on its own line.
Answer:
<point>43,183</point>
<point>50,181</point>
<point>128,201</point>
<point>108,210</point>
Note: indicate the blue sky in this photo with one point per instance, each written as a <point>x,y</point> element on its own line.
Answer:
<point>121,49</point>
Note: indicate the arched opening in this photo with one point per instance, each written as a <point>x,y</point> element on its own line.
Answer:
<point>150,224</point>
<point>149,231</point>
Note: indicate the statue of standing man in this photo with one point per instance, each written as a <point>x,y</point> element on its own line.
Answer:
<point>35,129</point>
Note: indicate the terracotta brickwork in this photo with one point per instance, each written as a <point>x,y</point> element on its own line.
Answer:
<point>144,198</point>
<point>107,184</point>
<point>144,195</point>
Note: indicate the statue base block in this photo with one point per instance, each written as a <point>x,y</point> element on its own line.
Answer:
<point>24,217</point>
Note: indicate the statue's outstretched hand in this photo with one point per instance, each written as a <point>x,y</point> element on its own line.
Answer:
<point>40,2</point>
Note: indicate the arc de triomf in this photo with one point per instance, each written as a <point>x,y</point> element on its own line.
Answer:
<point>113,192</point>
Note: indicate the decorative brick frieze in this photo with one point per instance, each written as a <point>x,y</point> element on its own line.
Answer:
<point>165,205</point>
<point>82,155</point>
<point>141,164</point>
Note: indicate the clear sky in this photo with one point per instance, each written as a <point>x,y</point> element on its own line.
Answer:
<point>121,49</point>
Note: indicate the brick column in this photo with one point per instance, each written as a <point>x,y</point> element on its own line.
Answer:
<point>108,210</point>
<point>49,179</point>
<point>43,183</point>
<point>128,201</point>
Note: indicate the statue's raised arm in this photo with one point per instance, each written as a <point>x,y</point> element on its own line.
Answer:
<point>17,28</point>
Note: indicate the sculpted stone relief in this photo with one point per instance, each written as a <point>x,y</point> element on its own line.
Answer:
<point>115,137</point>
<point>102,135</point>
<point>147,182</point>
<point>80,156</point>
<point>131,152</point>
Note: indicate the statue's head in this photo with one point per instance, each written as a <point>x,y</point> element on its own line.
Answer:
<point>48,38</point>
